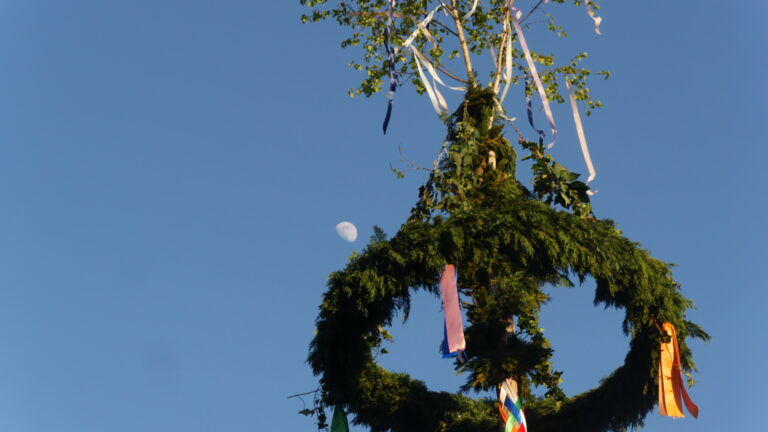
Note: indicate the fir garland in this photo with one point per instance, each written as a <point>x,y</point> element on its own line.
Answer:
<point>507,244</point>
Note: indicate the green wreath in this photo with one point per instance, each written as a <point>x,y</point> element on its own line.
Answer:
<point>507,244</point>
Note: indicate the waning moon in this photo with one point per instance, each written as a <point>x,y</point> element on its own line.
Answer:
<point>347,231</point>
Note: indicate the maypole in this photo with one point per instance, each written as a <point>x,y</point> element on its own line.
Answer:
<point>477,233</point>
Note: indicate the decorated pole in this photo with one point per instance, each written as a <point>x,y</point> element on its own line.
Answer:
<point>476,232</point>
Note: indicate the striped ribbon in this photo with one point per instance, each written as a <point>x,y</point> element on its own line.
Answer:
<point>453,341</point>
<point>671,386</point>
<point>515,14</point>
<point>510,407</point>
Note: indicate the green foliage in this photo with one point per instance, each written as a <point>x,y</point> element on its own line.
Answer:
<point>484,33</point>
<point>553,183</point>
<point>508,246</point>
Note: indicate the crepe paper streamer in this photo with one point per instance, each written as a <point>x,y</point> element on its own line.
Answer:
<point>471,11</point>
<point>454,329</point>
<point>510,407</point>
<point>595,18</point>
<point>529,111</point>
<point>393,78</point>
<point>671,379</point>
<point>515,15</point>
<point>339,422</point>
<point>580,131</point>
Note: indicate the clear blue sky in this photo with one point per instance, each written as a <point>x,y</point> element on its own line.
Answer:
<point>171,173</point>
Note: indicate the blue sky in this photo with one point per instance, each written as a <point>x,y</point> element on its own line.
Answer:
<point>171,174</point>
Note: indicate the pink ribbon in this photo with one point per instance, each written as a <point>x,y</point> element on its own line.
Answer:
<point>454,328</point>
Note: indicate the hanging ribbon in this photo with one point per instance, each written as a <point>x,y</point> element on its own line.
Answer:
<point>510,407</point>
<point>438,102</point>
<point>515,14</point>
<point>339,422</point>
<point>393,78</point>
<point>507,63</point>
<point>671,385</point>
<point>453,342</point>
<point>471,11</point>
<point>580,131</point>
<point>529,111</point>
<point>501,113</point>
<point>435,97</point>
<point>592,15</point>
<point>419,26</point>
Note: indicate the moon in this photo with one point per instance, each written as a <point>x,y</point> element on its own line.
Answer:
<point>347,231</point>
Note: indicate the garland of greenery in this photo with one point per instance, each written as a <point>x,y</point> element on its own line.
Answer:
<point>507,243</point>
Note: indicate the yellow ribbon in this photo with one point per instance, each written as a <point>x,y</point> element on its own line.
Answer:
<point>671,386</point>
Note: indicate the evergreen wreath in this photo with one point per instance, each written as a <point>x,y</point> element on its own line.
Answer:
<point>508,243</point>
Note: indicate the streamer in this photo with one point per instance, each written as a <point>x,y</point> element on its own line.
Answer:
<point>515,15</point>
<point>339,422</point>
<point>454,329</point>
<point>671,385</point>
<point>393,78</point>
<point>529,112</point>
<point>471,11</point>
<point>507,63</point>
<point>510,407</point>
<point>592,15</point>
<point>580,131</point>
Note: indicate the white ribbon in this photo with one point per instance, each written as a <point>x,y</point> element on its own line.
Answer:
<point>591,14</point>
<point>507,65</point>
<point>419,26</point>
<point>471,11</point>
<point>502,113</point>
<point>437,103</point>
<point>580,131</point>
<point>437,99</point>
<point>515,15</point>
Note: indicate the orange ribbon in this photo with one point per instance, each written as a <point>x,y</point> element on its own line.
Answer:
<point>671,379</point>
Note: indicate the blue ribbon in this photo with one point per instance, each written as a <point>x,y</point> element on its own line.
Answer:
<point>444,345</point>
<point>393,78</point>
<point>512,407</point>
<point>529,110</point>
